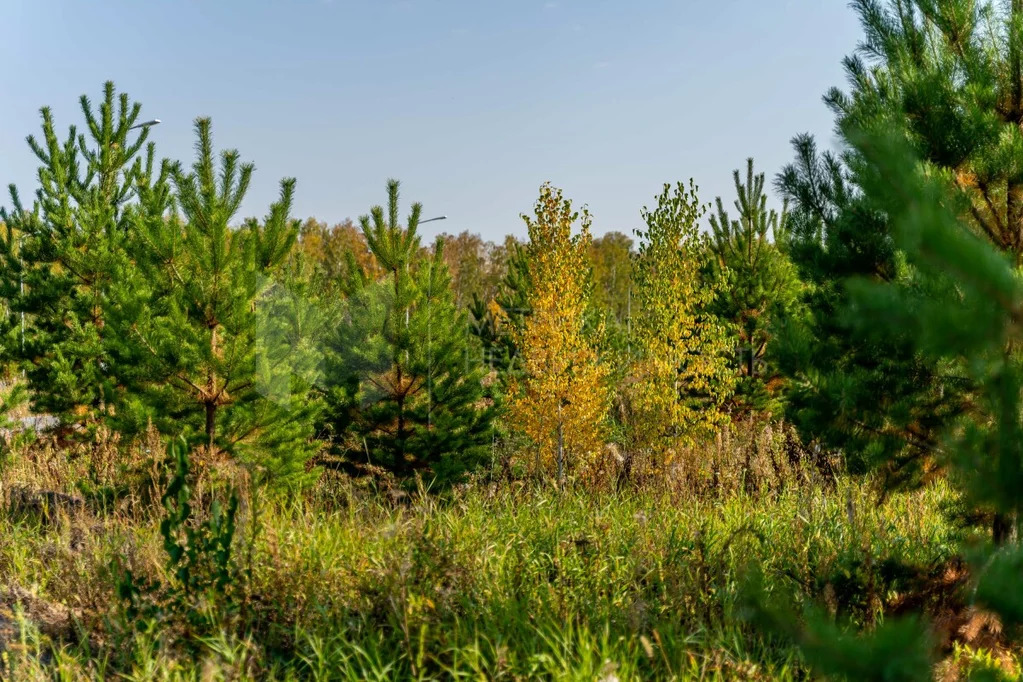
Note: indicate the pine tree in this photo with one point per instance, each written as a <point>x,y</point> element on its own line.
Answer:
<point>960,309</point>
<point>680,378</point>
<point>497,321</point>
<point>875,399</point>
<point>945,74</point>
<point>756,284</point>
<point>206,348</point>
<point>948,74</point>
<point>562,399</point>
<point>401,379</point>
<point>59,255</point>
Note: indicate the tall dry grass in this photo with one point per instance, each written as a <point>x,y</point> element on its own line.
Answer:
<point>496,579</point>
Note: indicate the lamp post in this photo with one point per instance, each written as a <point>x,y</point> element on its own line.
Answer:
<point>145,124</point>
<point>429,346</point>
<point>422,222</point>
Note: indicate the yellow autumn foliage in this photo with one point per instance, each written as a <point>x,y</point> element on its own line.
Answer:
<point>563,394</point>
<point>681,376</point>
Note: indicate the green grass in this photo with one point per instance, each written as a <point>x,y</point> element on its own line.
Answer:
<point>494,582</point>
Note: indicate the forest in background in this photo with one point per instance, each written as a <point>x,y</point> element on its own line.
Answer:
<point>789,445</point>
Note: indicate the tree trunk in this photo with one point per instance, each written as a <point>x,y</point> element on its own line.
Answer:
<point>1014,189</point>
<point>211,424</point>
<point>211,388</point>
<point>1003,528</point>
<point>561,454</point>
<point>399,454</point>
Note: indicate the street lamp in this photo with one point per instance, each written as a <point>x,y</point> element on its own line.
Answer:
<point>422,222</point>
<point>145,124</point>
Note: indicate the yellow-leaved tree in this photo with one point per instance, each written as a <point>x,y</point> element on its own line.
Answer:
<point>561,399</point>
<point>680,377</point>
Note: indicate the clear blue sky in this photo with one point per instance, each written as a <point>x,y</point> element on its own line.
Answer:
<point>470,103</point>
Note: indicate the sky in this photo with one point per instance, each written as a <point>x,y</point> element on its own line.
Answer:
<point>472,104</point>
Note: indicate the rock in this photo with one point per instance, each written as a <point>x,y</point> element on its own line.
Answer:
<point>40,423</point>
<point>46,504</point>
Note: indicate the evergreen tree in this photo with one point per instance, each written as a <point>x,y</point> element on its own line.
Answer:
<point>940,72</point>
<point>756,284</point>
<point>59,256</point>
<point>562,399</point>
<point>496,321</point>
<point>960,310</point>
<point>680,378</point>
<point>948,74</point>
<point>402,380</point>
<point>872,399</point>
<point>875,399</point>
<point>206,347</point>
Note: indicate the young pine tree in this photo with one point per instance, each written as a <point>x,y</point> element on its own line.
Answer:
<point>496,321</point>
<point>59,257</point>
<point>948,74</point>
<point>681,376</point>
<point>756,284</point>
<point>960,310</point>
<point>945,74</point>
<point>204,350</point>
<point>402,382</point>
<point>562,400</point>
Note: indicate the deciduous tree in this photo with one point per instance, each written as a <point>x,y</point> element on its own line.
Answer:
<point>681,376</point>
<point>562,400</point>
<point>612,258</point>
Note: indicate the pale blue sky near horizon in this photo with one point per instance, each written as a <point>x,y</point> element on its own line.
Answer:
<point>472,104</point>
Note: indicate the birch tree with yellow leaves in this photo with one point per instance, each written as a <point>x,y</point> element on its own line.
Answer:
<point>680,377</point>
<point>561,401</point>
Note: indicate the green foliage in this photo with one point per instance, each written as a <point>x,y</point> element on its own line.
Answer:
<point>944,75</point>
<point>889,298</point>
<point>959,309</point>
<point>199,556</point>
<point>911,245</point>
<point>498,581</point>
<point>212,343</point>
<point>612,256</point>
<point>872,396</point>
<point>756,284</point>
<point>495,321</point>
<point>60,256</point>
<point>12,397</point>
<point>680,378</point>
<point>401,380</point>
<point>895,651</point>
<point>997,585</point>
